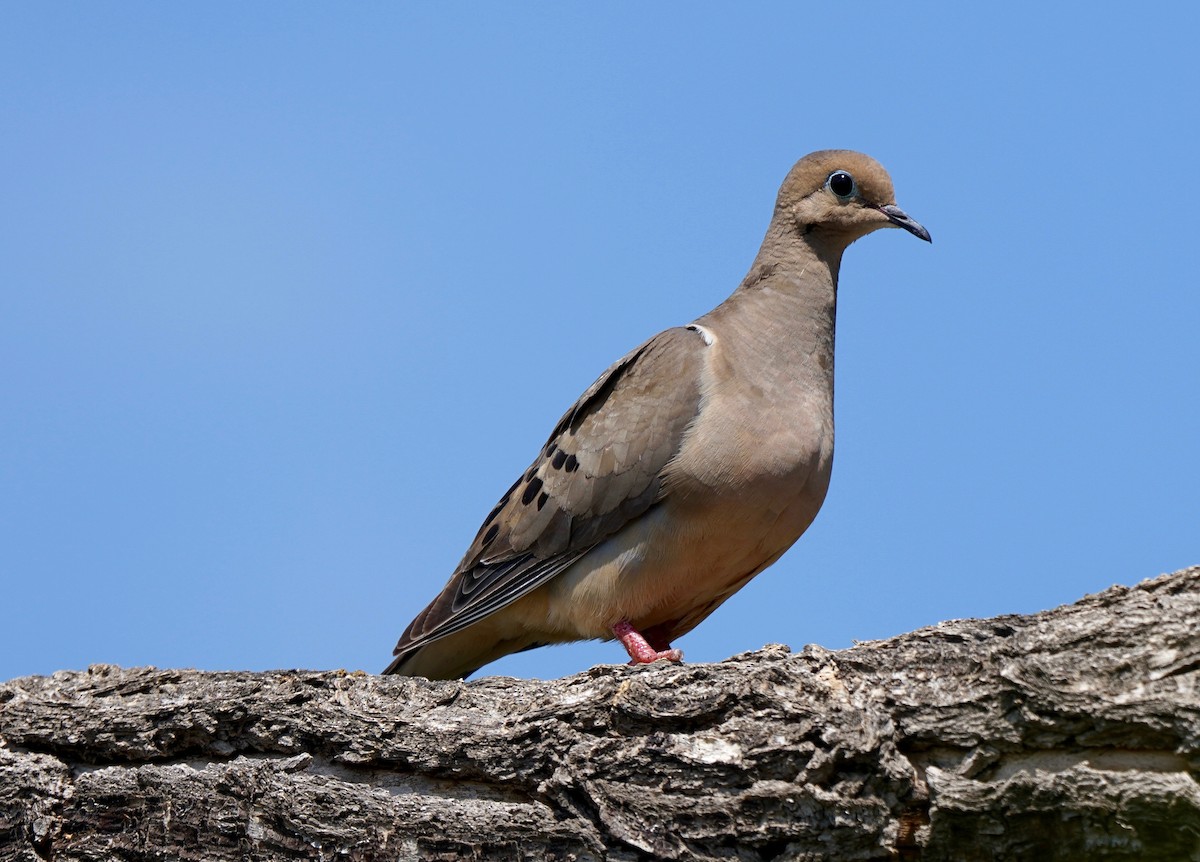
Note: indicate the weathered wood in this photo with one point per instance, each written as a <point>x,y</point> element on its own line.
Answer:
<point>1069,734</point>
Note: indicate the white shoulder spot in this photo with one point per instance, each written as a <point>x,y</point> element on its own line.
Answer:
<point>703,331</point>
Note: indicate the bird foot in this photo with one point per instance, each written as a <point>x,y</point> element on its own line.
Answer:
<point>639,649</point>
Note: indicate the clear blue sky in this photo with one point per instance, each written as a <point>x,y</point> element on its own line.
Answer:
<point>290,294</point>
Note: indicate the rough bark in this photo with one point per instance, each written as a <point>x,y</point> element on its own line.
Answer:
<point>1068,734</point>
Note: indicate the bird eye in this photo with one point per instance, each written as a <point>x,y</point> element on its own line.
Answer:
<point>842,184</point>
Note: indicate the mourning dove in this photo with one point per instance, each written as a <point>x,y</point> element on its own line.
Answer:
<point>686,469</point>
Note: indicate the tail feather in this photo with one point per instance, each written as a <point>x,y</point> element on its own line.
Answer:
<point>457,656</point>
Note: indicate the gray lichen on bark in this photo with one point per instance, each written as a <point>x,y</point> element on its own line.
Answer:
<point>1068,734</point>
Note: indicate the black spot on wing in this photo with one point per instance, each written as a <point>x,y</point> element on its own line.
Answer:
<point>531,491</point>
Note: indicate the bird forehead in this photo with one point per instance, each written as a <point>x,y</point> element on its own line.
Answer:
<point>811,172</point>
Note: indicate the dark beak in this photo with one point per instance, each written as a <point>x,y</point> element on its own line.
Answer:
<point>900,218</point>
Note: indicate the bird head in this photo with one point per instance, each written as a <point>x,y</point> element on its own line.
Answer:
<point>837,196</point>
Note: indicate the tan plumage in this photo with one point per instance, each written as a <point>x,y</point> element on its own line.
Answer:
<point>688,467</point>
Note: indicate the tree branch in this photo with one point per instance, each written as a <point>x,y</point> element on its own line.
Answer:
<point>1069,734</point>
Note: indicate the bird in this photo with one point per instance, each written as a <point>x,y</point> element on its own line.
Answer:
<point>688,467</point>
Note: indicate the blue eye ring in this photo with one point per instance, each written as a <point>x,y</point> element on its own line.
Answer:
<point>842,185</point>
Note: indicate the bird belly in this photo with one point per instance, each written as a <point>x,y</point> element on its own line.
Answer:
<point>679,561</point>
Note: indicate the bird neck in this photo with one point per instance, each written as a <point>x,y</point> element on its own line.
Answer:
<point>787,250</point>
<point>789,296</point>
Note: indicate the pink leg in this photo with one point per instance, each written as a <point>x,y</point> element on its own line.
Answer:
<point>639,649</point>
